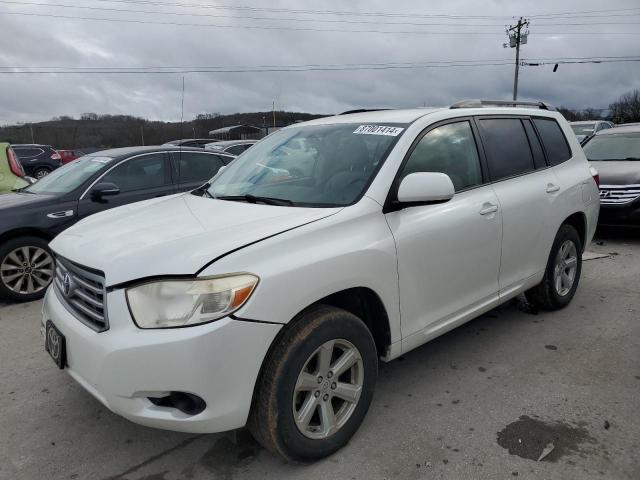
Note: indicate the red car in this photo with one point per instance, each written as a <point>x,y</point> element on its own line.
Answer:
<point>69,155</point>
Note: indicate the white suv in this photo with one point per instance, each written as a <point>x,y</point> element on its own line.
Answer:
<point>266,297</point>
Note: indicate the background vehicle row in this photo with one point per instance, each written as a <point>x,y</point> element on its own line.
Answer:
<point>31,217</point>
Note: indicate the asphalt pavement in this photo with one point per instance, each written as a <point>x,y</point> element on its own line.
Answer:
<point>515,393</point>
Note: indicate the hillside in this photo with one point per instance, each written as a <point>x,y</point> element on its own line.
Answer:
<point>108,131</point>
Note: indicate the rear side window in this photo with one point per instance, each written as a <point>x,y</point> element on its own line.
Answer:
<point>197,167</point>
<point>536,147</point>
<point>553,140</point>
<point>27,152</point>
<point>506,146</point>
<point>236,149</point>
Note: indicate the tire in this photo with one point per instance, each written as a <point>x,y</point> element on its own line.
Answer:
<point>280,394</point>
<point>36,275</point>
<point>40,172</point>
<point>548,295</point>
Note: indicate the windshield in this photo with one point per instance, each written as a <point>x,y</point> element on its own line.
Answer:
<point>313,165</point>
<point>583,128</point>
<point>70,176</point>
<point>613,147</point>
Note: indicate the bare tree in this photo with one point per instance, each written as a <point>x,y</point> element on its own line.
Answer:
<point>627,108</point>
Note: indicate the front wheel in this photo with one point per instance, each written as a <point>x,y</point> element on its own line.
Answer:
<point>316,385</point>
<point>26,268</point>
<point>562,274</point>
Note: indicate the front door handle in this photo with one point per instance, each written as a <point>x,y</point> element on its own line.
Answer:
<point>552,188</point>
<point>488,208</point>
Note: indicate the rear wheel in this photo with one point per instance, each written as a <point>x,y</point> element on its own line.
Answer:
<point>41,172</point>
<point>562,274</point>
<point>26,268</point>
<point>316,385</point>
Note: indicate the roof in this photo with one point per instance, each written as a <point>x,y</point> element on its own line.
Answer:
<point>620,129</point>
<point>227,143</point>
<point>186,140</point>
<point>29,145</point>
<point>585,122</point>
<point>376,116</point>
<point>234,127</point>
<point>127,151</point>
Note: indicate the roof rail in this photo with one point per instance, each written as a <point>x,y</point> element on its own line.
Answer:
<point>362,110</point>
<point>502,103</point>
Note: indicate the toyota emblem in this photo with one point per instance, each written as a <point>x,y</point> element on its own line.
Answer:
<point>66,284</point>
<point>54,343</point>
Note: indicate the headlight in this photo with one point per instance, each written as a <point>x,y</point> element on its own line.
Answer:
<point>181,303</point>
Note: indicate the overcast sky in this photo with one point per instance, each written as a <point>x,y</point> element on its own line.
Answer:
<point>42,40</point>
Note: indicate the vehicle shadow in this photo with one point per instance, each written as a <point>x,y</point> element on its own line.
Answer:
<point>629,235</point>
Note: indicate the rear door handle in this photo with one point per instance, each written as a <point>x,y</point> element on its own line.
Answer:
<point>488,208</point>
<point>552,188</point>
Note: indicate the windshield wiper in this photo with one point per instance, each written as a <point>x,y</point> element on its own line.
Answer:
<point>22,190</point>
<point>256,199</point>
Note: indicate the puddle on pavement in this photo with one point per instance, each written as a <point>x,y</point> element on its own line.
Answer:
<point>528,437</point>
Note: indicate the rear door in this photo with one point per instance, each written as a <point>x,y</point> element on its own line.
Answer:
<point>139,178</point>
<point>192,169</point>
<point>528,193</point>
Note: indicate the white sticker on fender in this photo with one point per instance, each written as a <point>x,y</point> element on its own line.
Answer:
<point>378,130</point>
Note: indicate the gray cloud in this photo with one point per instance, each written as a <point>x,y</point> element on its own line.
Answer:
<point>47,42</point>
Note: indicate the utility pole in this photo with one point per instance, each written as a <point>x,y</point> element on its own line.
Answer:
<point>142,134</point>
<point>516,38</point>
<point>32,139</point>
<point>273,110</point>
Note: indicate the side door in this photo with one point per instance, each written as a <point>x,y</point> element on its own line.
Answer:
<point>192,169</point>
<point>448,253</point>
<point>139,178</point>
<point>528,192</point>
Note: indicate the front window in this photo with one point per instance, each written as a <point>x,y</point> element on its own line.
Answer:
<point>314,165</point>
<point>583,128</point>
<point>70,176</point>
<point>613,147</point>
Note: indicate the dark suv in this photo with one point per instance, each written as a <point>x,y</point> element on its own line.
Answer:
<point>37,160</point>
<point>33,215</point>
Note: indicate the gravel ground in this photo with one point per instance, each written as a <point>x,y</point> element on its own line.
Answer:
<point>486,400</point>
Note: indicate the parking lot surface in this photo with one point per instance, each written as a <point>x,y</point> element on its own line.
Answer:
<point>486,400</point>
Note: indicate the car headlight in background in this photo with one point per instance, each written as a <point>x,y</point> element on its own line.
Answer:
<point>182,303</point>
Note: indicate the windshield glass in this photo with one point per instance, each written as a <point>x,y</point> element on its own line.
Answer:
<point>614,147</point>
<point>70,176</point>
<point>583,128</point>
<point>313,165</point>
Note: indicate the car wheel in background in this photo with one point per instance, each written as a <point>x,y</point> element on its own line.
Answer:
<point>26,268</point>
<point>562,274</point>
<point>316,385</point>
<point>41,172</point>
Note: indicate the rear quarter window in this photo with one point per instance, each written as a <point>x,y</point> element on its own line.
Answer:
<point>554,141</point>
<point>507,147</point>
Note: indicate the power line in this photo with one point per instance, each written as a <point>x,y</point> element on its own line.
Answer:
<point>312,20</point>
<point>338,65</point>
<point>305,29</point>
<point>352,13</point>
<point>302,68</point>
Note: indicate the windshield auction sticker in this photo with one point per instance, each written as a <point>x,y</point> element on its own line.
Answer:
<point>378,130</point>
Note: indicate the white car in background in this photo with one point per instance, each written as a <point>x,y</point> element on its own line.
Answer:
<point>585,129</point>
<point>267,297</point>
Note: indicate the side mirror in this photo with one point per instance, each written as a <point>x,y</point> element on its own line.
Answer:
<point>425,187</point>
<point>101,190</point>
<point>31,180</point>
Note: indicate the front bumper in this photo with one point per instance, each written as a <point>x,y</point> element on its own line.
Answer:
<point>624,214</point>
<point>124,366</point>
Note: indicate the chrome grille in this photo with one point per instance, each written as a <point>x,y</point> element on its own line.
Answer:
<point>83,293</point>
<point>618,194</point>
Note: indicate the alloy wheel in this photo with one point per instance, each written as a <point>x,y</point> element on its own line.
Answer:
<point>328,389</point>
<point>564,273</point>
<point>27,269</point>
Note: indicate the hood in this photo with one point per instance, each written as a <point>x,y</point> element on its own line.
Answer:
<point>16,199</point>
<point>625,172</point>
<point>175,235</point>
